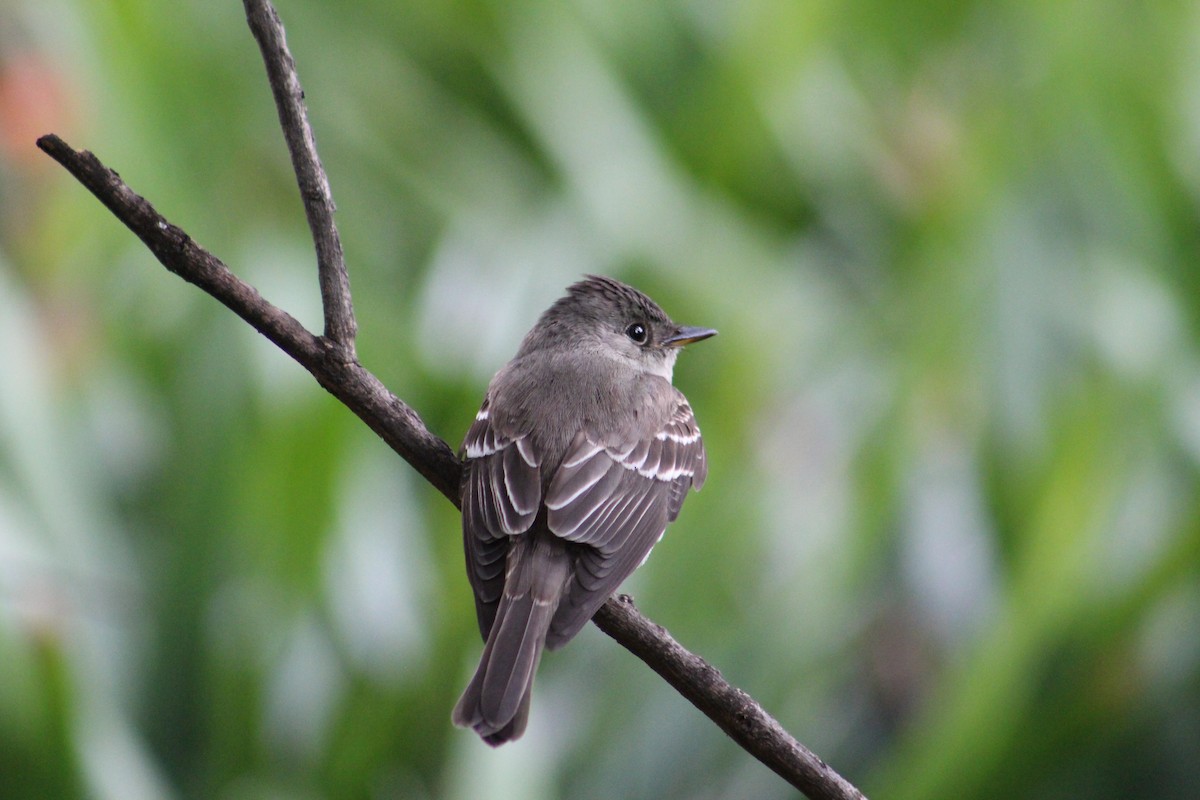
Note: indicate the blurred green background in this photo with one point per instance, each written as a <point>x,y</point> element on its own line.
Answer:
<point>951,535</point>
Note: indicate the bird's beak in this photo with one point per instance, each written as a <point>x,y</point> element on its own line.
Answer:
<point>686,335</point>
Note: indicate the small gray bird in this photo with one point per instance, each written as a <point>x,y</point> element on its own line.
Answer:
<point>582,453</point>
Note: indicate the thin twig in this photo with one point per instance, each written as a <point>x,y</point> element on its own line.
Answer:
<point>340,325</point>
<point>332,362</point>
<point>332,365</point>
<point>180,254</point>
<point>734,711</point>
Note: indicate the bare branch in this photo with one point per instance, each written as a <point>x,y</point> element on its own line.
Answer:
<point>734,711</point>
<point>332,361</point>
<point>333,365</point>
<point>180,254</point>
<point>340,325</point>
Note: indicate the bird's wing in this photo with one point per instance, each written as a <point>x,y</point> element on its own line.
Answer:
<point>617,500</point>
<point>501,492</point>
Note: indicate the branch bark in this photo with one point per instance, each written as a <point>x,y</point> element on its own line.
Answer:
<point>332,364</point>
<point>734,711</point>
<point>340,325</point>
<point>331,360</point>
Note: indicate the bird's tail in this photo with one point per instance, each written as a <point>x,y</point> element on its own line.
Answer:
<point>496,701</point>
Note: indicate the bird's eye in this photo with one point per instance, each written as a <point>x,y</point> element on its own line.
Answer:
<point>637,332</point>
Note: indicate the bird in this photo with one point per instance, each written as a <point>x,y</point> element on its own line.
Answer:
<point>580,455</point>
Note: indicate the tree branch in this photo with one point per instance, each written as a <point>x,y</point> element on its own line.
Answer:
<point>734,711</point>
<point>340,325</point>
<point>333,365</point>
<point>332,362</point>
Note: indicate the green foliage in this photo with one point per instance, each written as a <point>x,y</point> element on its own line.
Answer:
<point>950,536</point>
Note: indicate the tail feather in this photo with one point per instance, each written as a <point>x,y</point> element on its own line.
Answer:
<point>514,658</point>
<point>514,729</point>
<point>496,701</point>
